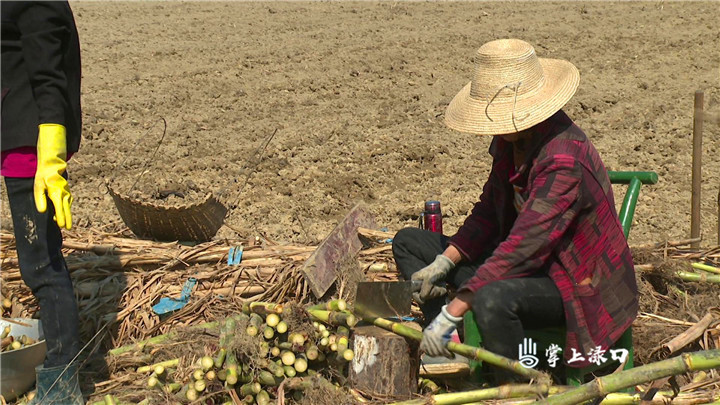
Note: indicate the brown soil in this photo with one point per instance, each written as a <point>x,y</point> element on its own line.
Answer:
<point>357,91</point>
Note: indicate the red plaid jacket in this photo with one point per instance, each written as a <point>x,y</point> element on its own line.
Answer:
<point>567,228</point>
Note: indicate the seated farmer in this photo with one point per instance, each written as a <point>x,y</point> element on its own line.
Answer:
<point>543,247</point>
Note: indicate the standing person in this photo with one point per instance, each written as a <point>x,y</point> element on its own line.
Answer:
<point>41,124</point>
<point>543,247</point>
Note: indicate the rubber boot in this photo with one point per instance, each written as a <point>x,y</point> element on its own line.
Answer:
<point>57,386</point>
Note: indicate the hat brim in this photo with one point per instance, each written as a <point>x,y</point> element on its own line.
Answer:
<point>472,115</point>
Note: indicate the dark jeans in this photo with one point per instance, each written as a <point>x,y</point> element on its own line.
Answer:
<point>43,269</point>
<point>503,309</point>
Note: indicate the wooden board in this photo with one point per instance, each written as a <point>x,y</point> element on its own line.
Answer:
<point>320,269</point>
<point>385,364</point>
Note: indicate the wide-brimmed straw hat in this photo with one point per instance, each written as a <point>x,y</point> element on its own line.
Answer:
<point>512,90</point>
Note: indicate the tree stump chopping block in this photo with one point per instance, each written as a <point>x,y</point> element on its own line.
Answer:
<point>385,364</point>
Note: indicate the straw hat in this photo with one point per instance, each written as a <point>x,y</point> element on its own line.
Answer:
<point>512,90</point>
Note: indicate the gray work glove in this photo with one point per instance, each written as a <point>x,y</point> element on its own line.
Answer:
<point>437,334</point>
<point>430,275</point>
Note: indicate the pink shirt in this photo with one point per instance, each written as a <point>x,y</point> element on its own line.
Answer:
<point>20,162</point>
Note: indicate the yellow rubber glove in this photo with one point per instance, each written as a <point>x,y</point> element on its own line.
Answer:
<point>51,164</point>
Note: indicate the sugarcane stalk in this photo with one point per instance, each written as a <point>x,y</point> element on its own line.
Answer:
<point>245,377</point>
<point>172,387</point>
<point>290,371</point>
<point>470,352</point>
<point>347,354</point>
<point>274,351</point>
<point>153,382</point>
<point>156,340</point>
<point>272,320</point>
<point>7,341</point>
<point>188,392</point>
<point>429,386</point>
<point>332,305</point>
<point>342,344</point>
<point>231,376</point>
<point>703,278</point>
<point>660,398</point>
<point>272,367</point>
<point>211,375</point>
<point>502,392</point>
<point>220,358</point>
<point>296,339</point>
<point>705,267</point>
<point>200,385</point>
<point>268,333</point>
<point>206,362</point>
<point>254,325</point>
<point>262,308</point>
<point>262,398</point>
<point>7,303</point>
<point>288,358</point>
<point>160,371</point>
<point>6,332</point>
<point>281,327</point>
<point>167,364</point>
<point>267,378</point>
<point>599,387</point>
<point>251,388</point>
<point>301,363</point>
<point>334,318</point>
<point>264,349</point>
<point>109,400</point>
<point>285,346</point>
<point>312,352</point>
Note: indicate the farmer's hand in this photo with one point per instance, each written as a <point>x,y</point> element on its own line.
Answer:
<point>49,180</point>
<point>437,334</point>
<point>430,275</point>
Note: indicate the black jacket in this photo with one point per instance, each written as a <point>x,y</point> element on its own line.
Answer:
<point>40,72</point>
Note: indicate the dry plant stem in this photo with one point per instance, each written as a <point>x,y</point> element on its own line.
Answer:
<point>372,233</point>
<point>703,278</point>
<point>686,337</point>
<point>463,350</point>
<point>502,392</point>
<point>697,361</point>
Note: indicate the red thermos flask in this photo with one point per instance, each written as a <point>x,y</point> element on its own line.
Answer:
<point>431,218</point>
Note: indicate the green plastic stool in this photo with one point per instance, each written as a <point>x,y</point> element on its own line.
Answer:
<point>547,336</point>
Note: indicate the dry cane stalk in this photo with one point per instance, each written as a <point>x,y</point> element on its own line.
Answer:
<point>686,337</point>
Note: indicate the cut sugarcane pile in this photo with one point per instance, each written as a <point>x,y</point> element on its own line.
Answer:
<point>262,355</point>
<point>117,279</point>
